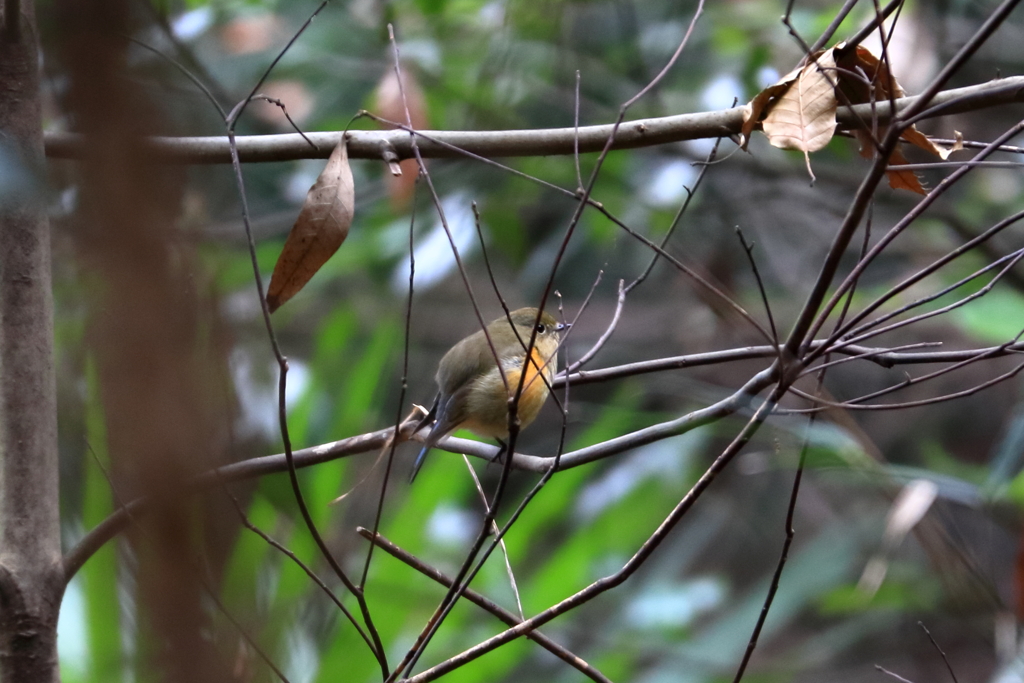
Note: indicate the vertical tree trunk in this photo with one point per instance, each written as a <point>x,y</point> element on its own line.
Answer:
<point>30,579</point>
<point>161,384</point>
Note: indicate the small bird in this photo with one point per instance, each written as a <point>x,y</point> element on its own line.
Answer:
<point>472,393</point>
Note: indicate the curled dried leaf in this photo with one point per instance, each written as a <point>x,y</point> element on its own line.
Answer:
<point>755,108</point>
<point>799,111</point>
<point>919,139</point>
<point>804,116</point>
<point>902,179</point>
<point>880,85</point>
<point>872,82</point>
<point>321,227</point>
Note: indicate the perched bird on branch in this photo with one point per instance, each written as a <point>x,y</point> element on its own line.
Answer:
<point>475,391</point>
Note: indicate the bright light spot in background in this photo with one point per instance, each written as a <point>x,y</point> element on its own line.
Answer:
<point>667,186</point>
<point>675,605</point>
<point>912,52</point>
<point>451,526</point>
<point>766,76</point>
<point>425,53</point>
<point>67,201</point>
<point>258,397</point>
<point>492,15</point>
<point>303,661</point>
<point>298,183</point>
<point>660,39</point>
<point>1000,185</point>
<point>722,92</point>
<point>664,460</point>
<point>433,252</point>
<point>72,650</point>
<point>191,24</point>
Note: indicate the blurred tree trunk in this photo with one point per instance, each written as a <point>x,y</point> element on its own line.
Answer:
<point>31,583</point>
<point>162,378</point>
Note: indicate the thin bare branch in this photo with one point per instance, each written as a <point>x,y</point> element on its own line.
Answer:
<point>1010,261</point>
<point>620,301</point>
<point>242,630</point>
<point>850,405</point>
<point>236,112</point>
<point>847,328</point>
<point>496,531</point>
<point>284,110</point>
<point>244,519</point>
<point>900,226</point>
<point>480,601</point>
<point>952,674</point>
<point>899,678</point>
<point>373,441</point>
<point>630,567</point>
<point>748,249</point>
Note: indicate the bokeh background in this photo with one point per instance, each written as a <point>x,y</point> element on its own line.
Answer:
<point>475,65</point>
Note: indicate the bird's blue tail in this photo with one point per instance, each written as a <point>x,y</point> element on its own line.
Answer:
<point>429,443</point>
<point>419,463</point>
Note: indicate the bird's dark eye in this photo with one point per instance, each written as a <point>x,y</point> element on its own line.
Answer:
<point>542,328</point>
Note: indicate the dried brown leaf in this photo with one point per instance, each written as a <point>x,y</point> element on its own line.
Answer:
<point>903,180</point>
<point>799,111</point>
<point>862,61</point>
<point>319,230</point>
<point>804,117</point>
<point>898,180</point>
<point>753,109</point>
<point>880,85</point>
<point>919,139</point>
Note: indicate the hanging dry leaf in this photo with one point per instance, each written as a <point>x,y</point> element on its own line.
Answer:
<point>799,111</point>
<point>804,116</point>
<point>919,139</point>
<point>876,82</point>
<point>898,180</point>
<point>903,180</point>
<point>753,109</point>
<point>319,230</point>
<point>883,86</point>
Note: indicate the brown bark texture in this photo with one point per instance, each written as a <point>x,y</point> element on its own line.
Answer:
<point>31,583</point>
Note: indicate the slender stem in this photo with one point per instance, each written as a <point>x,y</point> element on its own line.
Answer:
<point>482,602</point>
<point>634,563</point>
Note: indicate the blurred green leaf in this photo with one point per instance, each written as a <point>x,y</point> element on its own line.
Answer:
<point>996,318</point>
<point>100,574</point>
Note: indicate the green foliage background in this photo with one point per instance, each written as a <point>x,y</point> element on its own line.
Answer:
<point>689,613</point>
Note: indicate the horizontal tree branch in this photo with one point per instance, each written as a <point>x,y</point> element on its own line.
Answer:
<point>510,143</point>
<point>373,441</point>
